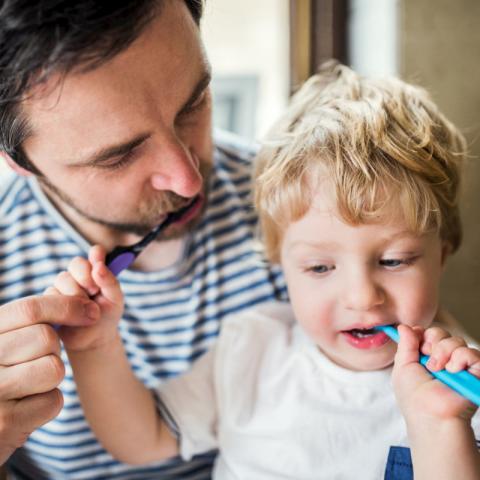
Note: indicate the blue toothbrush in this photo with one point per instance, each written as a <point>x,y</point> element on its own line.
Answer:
<point>462,382</point>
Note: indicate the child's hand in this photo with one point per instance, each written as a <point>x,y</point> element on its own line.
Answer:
<point>90,278</point>
<point>417,392</point>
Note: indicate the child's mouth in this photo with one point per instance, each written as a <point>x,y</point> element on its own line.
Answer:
<point>365,338</point>
<point>362,333</point>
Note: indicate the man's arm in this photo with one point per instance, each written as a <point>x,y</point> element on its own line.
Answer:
<point>30,363</point>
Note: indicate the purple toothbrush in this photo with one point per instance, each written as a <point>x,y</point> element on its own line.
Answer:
<point>121,257</point>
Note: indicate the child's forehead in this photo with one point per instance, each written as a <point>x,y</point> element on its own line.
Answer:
<point>324,211</point>
<point>324,231</point>
<point>325,198</point>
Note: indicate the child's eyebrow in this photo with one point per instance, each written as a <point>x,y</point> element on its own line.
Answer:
<point>327,245</point>
<point>332,245</point>
<point>400,235</point>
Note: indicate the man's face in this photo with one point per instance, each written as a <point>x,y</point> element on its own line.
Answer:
<point>130,141</point>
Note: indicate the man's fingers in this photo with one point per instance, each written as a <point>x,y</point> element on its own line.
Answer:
<point>29,378</point>
<point>52,309</point>
<point>28,343</point>
<point>30,413</point>
<point>18,418</point>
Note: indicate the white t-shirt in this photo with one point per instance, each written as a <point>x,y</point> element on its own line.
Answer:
<point>277,408</point>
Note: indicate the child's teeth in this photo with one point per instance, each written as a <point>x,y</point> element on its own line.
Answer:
<point>362,333</point>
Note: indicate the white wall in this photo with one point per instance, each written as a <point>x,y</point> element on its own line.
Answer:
<point>373,36</point>
<point>251,37</point>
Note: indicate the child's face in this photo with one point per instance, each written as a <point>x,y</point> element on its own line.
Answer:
<point>344,278</point>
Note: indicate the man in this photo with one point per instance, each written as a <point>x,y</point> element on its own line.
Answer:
<point>106,120</point>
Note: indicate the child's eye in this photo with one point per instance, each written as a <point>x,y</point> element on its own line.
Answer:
<point>396,262</point>
<point>320,269</point>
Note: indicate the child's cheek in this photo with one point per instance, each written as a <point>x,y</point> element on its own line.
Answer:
<point>421,307</point>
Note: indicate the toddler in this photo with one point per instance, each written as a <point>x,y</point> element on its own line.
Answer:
<point>357,194</point>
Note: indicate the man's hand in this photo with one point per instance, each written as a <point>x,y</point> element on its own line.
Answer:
<point>30,363</point>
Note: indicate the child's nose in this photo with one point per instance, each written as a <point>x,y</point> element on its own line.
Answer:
<point>362,293</point>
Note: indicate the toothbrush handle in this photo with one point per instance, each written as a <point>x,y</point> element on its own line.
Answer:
<point>462,382</point>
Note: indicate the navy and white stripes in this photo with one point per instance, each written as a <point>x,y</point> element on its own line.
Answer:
<point>171,316</point>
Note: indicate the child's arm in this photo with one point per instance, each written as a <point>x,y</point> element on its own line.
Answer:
<point>118,407</point>
<point>438,419</point>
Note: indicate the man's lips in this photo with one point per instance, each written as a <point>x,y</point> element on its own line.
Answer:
<point>192,211</point>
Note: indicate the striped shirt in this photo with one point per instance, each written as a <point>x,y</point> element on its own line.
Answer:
<point>171,316</point>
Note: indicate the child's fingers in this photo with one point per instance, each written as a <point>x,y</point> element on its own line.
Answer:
<point>407,351</point>
<point>464,358</point>
<point>432,336</point>
<point>97,254</point>
<point>442,351</point>
<point>51,291</point>
<point>65,284</point>
<point>108,283</point>
<point>81,270</point>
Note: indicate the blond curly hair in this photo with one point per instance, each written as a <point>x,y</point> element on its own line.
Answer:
<point>382,146</point>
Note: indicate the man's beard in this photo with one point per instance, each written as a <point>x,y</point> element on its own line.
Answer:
<point>149,214</point>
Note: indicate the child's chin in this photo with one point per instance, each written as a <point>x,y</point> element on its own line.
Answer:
<point>375,365</point>
<point>370,363</point>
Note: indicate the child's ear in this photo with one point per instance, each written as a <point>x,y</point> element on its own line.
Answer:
<point>14,165</point>
<point>446,251</point>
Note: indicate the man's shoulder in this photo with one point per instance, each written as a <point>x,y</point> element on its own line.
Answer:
<point>13,194</point>
<point>234,152</point>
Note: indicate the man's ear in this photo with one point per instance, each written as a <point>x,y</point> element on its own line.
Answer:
<point>14,165</point>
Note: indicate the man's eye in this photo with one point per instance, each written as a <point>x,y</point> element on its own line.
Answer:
<point>195,106</point>
<point>119,162</point>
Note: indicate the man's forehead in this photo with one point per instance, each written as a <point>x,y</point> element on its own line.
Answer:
<point>169,44</point>
<point>160,70</point>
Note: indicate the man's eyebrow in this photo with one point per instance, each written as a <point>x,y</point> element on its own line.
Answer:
<point>202,84</point>
<point>109,152</point>
<point>105,153</point>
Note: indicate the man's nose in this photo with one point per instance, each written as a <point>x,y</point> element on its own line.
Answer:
<point>362,291</point>
<point>176,169</point>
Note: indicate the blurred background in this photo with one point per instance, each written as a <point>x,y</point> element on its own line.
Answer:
<point>261,51</point>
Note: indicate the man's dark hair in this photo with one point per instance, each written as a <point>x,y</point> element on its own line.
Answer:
<point>39,38</point>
